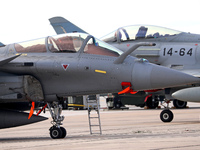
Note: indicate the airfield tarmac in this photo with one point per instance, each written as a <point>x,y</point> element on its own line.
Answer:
<point>135,128</point>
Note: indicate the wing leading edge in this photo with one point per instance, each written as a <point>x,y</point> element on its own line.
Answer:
<point>6,60</point>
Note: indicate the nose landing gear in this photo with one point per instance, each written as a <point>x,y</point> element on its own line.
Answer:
<point>56,131</point>
<point>166,115</point>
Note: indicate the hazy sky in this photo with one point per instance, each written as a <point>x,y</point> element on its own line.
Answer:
<point>23,20</point>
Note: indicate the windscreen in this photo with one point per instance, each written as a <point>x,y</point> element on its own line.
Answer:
<point>139,32</point>
<point>33,46</point>
<point>66,43</point>
<point>98,47</point>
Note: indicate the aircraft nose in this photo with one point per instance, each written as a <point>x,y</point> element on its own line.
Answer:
<point>149,76</point>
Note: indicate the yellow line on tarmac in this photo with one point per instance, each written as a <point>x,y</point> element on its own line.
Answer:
<point>76,105</point>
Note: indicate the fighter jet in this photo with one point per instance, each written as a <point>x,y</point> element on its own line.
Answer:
<point>49,69</point>
<point>174,49</point>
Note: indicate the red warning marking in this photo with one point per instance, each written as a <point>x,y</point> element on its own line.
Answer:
<point>128,45</point>
<point>126,86</point>
<point>147,97</point>
<point>32,110</point>
<point>65,66</point>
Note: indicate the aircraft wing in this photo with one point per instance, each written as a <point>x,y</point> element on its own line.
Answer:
<point>7,59</point>
<point>61,25</point>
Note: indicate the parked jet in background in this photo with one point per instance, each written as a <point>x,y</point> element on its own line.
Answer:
<point>174,49</point>
<point>52,68</point>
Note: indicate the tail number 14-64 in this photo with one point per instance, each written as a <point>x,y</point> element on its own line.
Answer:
<point>181,52</point>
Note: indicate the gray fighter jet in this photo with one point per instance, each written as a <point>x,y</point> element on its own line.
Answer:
<point>49,69</point>
<point>174,49</point>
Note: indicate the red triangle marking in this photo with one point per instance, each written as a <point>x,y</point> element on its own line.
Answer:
<point>65,66</point>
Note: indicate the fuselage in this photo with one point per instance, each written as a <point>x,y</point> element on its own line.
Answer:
<point>68,65</point>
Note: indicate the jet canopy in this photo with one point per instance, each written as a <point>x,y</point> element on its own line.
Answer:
<point>68,43</point>
<point>138,32</point>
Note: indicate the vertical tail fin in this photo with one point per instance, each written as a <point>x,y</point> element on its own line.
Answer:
<point>1,44</point>
<point>61,25</point>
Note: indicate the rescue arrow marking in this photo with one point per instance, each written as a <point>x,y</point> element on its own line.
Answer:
<point>65,66</point>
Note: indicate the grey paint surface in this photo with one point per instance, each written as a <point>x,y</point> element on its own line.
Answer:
<point>52,68</point>
<point>174,49</point>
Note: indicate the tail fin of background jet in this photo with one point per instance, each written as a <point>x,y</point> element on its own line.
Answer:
<point>1,44</point>
<point>61,25</point>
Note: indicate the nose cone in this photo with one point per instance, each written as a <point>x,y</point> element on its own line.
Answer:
<point>158,77</point>
<point>188,94</point>
<point>169,77</point>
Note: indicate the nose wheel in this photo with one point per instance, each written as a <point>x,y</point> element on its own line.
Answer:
<point>56,131</point>
<point>166,115</point>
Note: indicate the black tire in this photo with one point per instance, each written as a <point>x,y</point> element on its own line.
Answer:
<point>118,105</point>
<point>117,102</point>
<point>142,105</point>
<point>179,104</point>
<point>55,132</point>
<point>150,104</point>
<point>64,132</point>
<point>166,116</point>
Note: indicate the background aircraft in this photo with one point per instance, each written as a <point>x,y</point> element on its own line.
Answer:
<point>174,49</point>
<point>49,69</point>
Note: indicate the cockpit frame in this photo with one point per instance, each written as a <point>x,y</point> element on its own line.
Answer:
<point>68,43</point>
<point>139,32</point>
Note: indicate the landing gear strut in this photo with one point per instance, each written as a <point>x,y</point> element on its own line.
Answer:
<point>56,131</point>
<point>166,115</point>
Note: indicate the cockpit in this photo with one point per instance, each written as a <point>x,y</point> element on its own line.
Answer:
<point>68,43</point>
<point>138,32</point>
